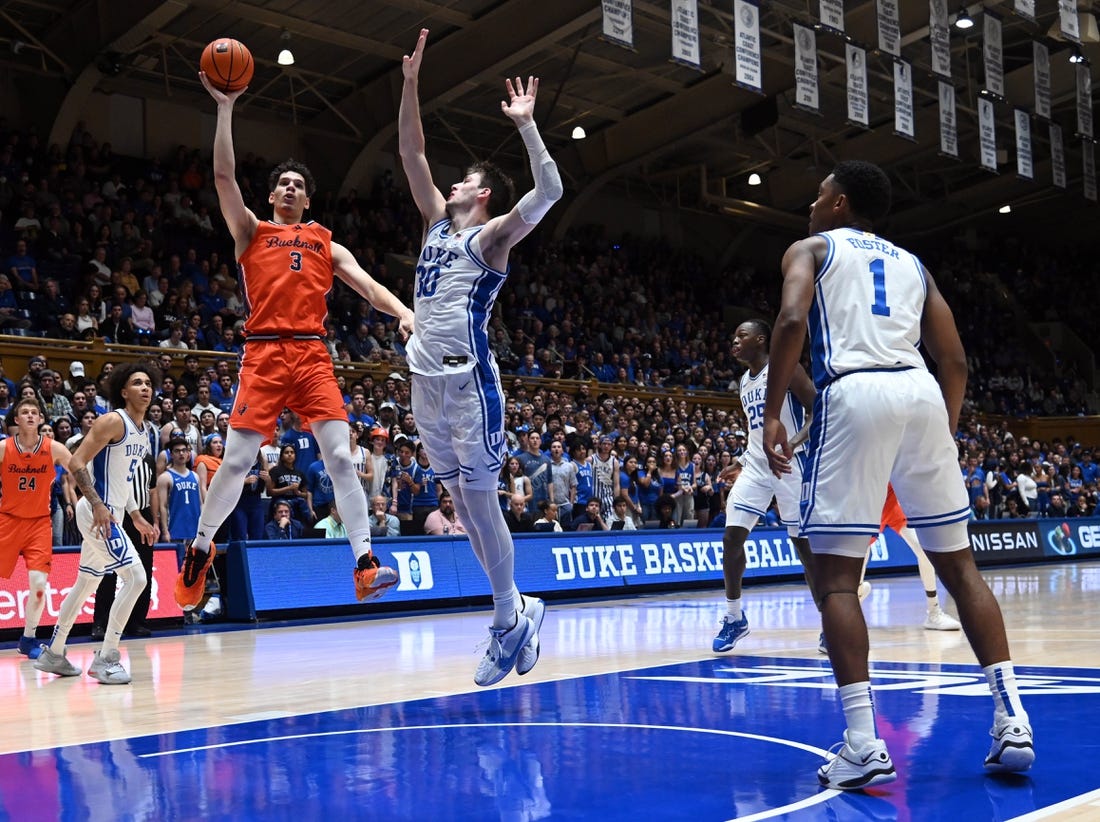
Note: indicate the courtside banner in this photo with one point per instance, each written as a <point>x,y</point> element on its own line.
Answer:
<point>303,574</point>
<point>999,541</point>
<point>14,591</point>
<point>317,573</point>
<point>1070,538</point>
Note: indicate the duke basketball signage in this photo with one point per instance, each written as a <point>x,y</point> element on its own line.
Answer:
<point>415,570</point>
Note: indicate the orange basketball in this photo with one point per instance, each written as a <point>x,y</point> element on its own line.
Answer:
<point>228,64</point>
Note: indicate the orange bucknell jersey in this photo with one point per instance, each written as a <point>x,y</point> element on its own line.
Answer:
<point>26,477</point>
<point>286,273</point>
<point>892,515</point>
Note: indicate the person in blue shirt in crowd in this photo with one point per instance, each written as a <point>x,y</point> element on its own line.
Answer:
<point>319,491</point>
<point>282,525</point>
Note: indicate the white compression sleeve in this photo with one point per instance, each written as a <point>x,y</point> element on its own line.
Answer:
<point>548,188</point>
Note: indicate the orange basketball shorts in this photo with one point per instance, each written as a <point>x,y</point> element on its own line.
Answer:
<point>294,374</point>
<point>31,537</point>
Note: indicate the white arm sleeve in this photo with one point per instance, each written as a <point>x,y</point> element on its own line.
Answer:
<point>548,188</point>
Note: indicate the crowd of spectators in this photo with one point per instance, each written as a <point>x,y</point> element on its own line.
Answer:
<point>134,251</point>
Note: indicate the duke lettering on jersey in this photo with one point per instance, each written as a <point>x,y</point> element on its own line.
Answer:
<point>455,292</point>
<point>113,467</point>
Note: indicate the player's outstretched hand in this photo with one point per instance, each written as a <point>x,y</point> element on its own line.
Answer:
<point>410,65</point>
<point>520,106</point>
<point>220,97</point>
<point>776,448</point>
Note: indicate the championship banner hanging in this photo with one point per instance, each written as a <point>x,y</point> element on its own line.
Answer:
<point>939,36</point>
<point>685,32</point>
<point>1084,100</point>
<point>987,131</point>
<point>1024,167</point>
<point>889,30</point>
<point>831,14</point>
<point>1088,158</point>
<point>993,55</point>
<point>904,125</point>
<point>746,52</point>
<point>1041,60</point>
<point>857,85</point>
<point>1067,20</point>
<point>1025,9</point>
<point>805,69</point>
<point>949,131</point>
<point>618,22</point>
<point>1057,156</point>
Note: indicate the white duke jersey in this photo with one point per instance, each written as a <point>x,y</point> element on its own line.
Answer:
<point>455,292</point>
<point>753,393</point>
<point>868,300</point>
<point>113,467</point>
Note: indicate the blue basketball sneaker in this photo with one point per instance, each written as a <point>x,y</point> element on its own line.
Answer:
<point>29,646</point>
<point>731,632</point>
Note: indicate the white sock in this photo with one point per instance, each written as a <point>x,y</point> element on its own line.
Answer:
<point>1006,696</point>
<point>35,602</point>
<point>859,713</point>
<point>733,608</point>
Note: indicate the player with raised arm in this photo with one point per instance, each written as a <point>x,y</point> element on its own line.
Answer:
<point>103,467</point>
<point>27,463</point>
<point>880,417</point>
<point>286,268</point>
<point>457,397</point>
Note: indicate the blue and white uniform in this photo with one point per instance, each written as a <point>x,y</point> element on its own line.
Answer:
<point>112,473</point>
<point>184,505</point>
<point>748,501</point>
<point>456,393</point>
<point>879,416</point>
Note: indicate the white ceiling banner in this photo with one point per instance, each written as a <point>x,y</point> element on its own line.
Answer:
<point>746,52</point>
<point>904,121</point>
<point>949,127</point>
<point>1041,62</point>
<point>806,94</point>
<point>858,112</point>
<point>685,32</point>
<point>1026,9</point>
<point>1057,157</point>
<point>939,37</point>
<point>1084,100</point>
<point>1067,20</point>
<point>987,134</point>
<point>889,29</point>
<point>618,22</point>
<point>1024,166</point>
<point>993,55</point>
<point>831,14</point>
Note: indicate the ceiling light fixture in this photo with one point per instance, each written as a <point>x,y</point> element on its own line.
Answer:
<point>1005,209</point>
<point>579,133</point>
<point>963,20</point>
<point>755,179</point>
<point>286,56</point>
<point>1076,56</point>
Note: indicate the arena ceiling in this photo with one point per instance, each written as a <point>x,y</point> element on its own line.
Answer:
<point>686,137</point>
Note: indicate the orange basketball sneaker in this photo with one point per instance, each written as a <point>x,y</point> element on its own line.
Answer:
<point>372,578</point>
<point>191,583</point>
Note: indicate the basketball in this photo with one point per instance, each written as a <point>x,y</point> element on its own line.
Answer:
<point>228,64</point>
